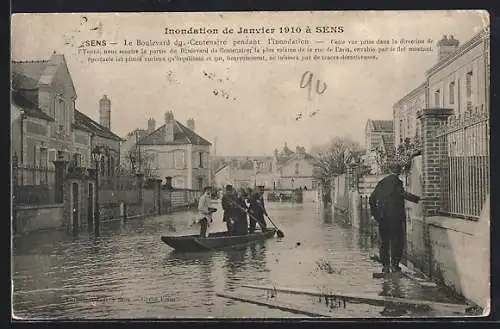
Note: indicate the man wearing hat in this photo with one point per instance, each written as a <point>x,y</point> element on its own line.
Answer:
<point>387,206</point>
<point>228,207</point>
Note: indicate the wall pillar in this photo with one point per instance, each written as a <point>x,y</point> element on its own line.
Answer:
<point>434,151</point>
<point>140,188</point>
<point>352,176</point>
<point>157,196</point>
<point>60,171</point>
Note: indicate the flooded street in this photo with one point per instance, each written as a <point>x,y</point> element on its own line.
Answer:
<point>129,273</point>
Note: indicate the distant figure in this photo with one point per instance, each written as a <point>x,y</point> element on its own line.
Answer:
<point>205,211</point>
<point>228,207</point>
<point>305,187</point>
<point>387,206</point>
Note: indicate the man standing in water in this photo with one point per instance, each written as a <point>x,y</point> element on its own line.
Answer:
<point>387,206</point>
<point>205,211</point>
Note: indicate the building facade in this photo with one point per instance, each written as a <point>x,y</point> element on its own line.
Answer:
<point>405,111</point>
<point>374,130</point>
<point>379,141</point>
<point>295,169</point>
<point>175,150</point>
<point>45,123</point>
<point>459,81</point>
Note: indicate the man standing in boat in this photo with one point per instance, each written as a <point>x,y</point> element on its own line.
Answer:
<point>205,211</point>
<point>228,207</point>
<point>241,222</point>
<point>257,209</point>
<point>387,206</point>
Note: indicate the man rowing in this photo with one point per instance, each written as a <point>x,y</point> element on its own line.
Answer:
<point>257,209</point>
<point>227,205</point>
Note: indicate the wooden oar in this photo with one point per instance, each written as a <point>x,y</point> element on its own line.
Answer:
<point>279,233</point>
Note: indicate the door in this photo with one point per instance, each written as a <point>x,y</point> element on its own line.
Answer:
<point>200,183</point>
<point>90,214</point>
<point>75,208</point>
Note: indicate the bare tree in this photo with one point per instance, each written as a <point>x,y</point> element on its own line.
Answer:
<point>142,161</point>
<point>332,160</point>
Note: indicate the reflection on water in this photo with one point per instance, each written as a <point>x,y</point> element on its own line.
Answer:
<point>129,273</point>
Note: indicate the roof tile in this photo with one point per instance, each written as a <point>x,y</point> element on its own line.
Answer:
<point>182,136</point>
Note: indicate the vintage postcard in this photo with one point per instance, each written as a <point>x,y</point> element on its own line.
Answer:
<point>250,165</point>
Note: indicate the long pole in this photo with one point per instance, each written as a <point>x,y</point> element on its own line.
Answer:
<point>96,204</point>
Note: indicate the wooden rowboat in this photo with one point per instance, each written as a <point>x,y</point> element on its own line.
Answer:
<point>218,240</point>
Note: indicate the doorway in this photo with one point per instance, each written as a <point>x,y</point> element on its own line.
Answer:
<point>76,206</point>
<point>90,208</point>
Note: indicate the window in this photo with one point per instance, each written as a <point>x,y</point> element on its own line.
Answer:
<point>77,160</point>
<point>437,98</point>
<point>297,168</point>
<point>44,157</point>
<point>111,166</point>
<point>200,159</point>
<point>468,84</point>
<point>179,159</point>
<point>452,93</point>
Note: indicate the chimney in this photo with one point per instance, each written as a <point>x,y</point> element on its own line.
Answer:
<point>151,124</point>
<point>169,127</point>
<point>190,124</point>
<point>105,112</point>
<point>446,47</point>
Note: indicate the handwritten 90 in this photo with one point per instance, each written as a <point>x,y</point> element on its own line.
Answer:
<point>307,82</point>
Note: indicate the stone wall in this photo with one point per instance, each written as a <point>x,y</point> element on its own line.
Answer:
<point>32,218</point>
<point>460,255</point>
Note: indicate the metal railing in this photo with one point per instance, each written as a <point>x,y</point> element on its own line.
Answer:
<point>465,166</point>
<point>33,185</point>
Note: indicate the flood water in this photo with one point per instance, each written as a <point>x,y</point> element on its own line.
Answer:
<point>129,273</point>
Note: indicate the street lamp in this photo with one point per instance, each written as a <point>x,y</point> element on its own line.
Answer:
<point>97,157</point>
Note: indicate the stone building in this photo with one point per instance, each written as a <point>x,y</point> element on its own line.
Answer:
<point>379,141</point>
<point>405,111</point>
<point>457,81</point>
<point>45,123</point>
<point>177,151</point>
<point>295,169</point>
<point>374,129</point>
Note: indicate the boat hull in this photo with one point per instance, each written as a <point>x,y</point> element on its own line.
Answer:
<point>219,240</point>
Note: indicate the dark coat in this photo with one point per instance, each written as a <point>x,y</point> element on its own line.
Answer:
<point>257,206</point>
<point>228,207</point>
<point>387,202</point>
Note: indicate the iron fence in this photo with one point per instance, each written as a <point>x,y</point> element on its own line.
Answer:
<point>33,185</point>
<point>465,166</point>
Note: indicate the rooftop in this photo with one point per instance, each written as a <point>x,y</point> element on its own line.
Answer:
<point>27,76</point>
<point>182,136</point>
<point>382,125</point>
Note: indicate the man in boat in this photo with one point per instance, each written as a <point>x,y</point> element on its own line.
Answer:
<point>241,222</point>
<point>257,209</point>
<point>205,211</point>
<point>387,207</point>
<point>228,207</point>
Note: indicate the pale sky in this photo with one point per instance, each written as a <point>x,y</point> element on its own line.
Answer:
<point>267,95</point>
